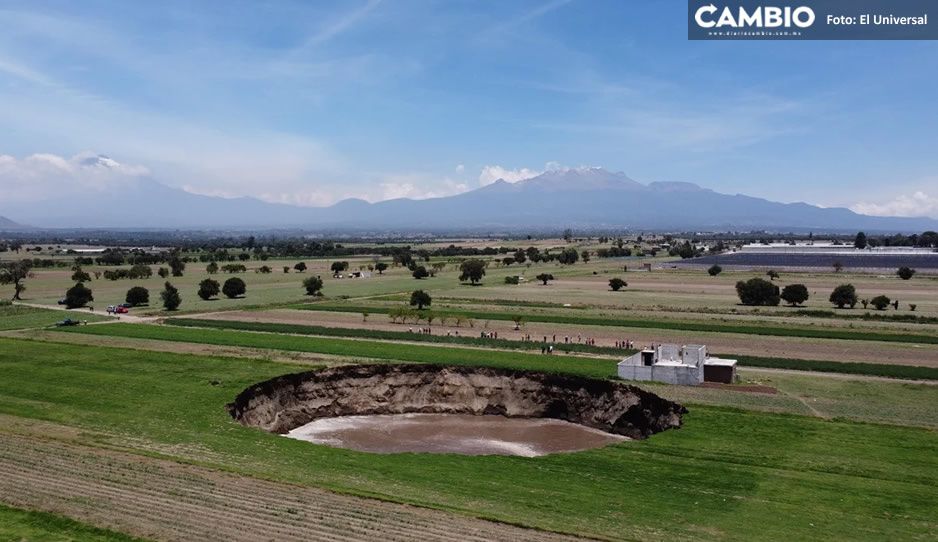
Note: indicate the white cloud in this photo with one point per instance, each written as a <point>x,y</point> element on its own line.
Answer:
<point>490,174</point>
<point>415,186</point>
<point>40,176</point>
<point>918,204</point>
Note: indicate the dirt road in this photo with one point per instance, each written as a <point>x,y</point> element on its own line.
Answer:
<point>718,343</point>
<point>163,500</point>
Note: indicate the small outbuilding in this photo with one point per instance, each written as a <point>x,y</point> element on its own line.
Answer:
<point>687,365</point>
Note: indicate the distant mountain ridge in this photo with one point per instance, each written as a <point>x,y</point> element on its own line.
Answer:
<point>584,198</point>
<point>7,224</point>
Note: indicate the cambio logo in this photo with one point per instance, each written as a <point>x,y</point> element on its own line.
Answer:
<point>760,17</point>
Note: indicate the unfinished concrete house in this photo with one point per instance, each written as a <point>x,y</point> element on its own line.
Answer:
<point>688,365</point>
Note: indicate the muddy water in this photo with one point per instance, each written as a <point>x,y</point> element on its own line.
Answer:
<point>453,433</point>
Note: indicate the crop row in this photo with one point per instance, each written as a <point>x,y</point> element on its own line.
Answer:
<point>273,336</point>
<point>705,327</point>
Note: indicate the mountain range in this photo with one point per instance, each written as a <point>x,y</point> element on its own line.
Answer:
<point>577,198</point>
<point>6,224</point>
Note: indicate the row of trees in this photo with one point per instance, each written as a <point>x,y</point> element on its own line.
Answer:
<point>925,240</point>
<point>760,292</point>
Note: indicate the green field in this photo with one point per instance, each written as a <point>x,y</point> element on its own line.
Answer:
<point>727,474</point>
<point>668,292</point>
<point>705,327</point>
<point>593,367</point>
<point>20,317</point>
<point>873,369</point>
<point>30,526</point>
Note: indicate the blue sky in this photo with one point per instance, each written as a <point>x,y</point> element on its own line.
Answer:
<point>311,102</point>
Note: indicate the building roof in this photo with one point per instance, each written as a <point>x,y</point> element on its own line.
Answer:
<point>721,362</point>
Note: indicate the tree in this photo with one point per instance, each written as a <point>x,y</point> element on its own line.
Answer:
<point>313,285</point>
<point>472,270</point>
<point>163,272</point>
<point>208,289</point>
<point>420,299</point>
<point>905,273</point>
<point>880,302</point>
<point>795,294</point>
<point>264,269</point>
<point>300,267</point>
<point>508,260</point>
<point>286,269</point>
<point>518,320</point>
<point>176,265</point>
<point>568,256</point>
<point>15,273</point>
<point>685,250</point>
<point>234,287</point>
<point>140,271</point>
<point>211,268</point>
<point>520,257</point>
<point>512,279</point>
<point>585,256</point>
<point>860,240</point>
<point>844,295</point>
<point>170,296</point>
<point>715,270</point>
<point>138,295</point>
<point>568,235</point>
<point>380,267</point>
<point>78,296</point>
<point>80,276</point>
<point>772,274</point>
<point>757,291</point>
<point>544,277</point>
<point>420,272</point>
<point>617,284</point>
<point>338,267</point>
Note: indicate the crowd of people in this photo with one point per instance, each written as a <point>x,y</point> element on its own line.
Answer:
<point>548,341</point>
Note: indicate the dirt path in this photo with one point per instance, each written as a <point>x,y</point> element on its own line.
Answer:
<point>718,343</point>
<point>839,376</point>
<point>121,317</point>
<point>283,356</point>
<point>164,500</point>
<point>814,412</point>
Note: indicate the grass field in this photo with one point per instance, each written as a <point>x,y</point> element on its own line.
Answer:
<point>663,290</point>
<point>877,369</point>
<point>704,327</point>
<point>30,526</point>
<point>593,367</point>
<point>859,399</point>
<point>829,457</point>
<point>727,474</point>
<point>19,317</point>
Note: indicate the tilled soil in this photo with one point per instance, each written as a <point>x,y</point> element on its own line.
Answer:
<point>717,343</point>
<point>164,500</point>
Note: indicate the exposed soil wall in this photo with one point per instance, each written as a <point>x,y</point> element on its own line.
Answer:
<point>286,402</point>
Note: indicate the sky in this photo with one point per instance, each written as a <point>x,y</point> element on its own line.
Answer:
<point>312,102</point>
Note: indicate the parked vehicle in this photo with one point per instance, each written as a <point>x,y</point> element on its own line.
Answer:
<point>120,309</point>
<point>62,302</point>
<point>67,322</point>
<point>111,309</point>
